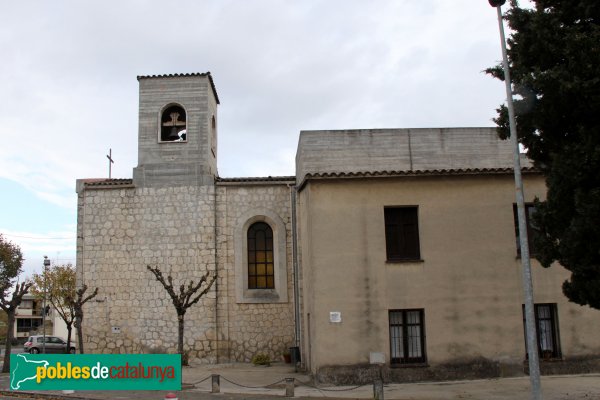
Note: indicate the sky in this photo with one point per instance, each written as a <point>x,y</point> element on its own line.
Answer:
<point>69,93</point>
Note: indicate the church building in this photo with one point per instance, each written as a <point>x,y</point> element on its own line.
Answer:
<point>393,246</point>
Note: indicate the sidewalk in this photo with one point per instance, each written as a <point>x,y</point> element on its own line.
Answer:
<point>572,387</point>
<point>247,381</point>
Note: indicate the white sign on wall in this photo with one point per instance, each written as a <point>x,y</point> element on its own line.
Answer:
<point>376,358</point>
<point>335,317</point>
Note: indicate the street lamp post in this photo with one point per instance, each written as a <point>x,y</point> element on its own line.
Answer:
<point>532,346</point>
<point>46,265</point>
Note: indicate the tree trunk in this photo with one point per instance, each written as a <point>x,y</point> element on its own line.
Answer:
<point>78,325</point>
<point>9,338</point>
<point>180,326</point>
<point>79,338</point>
<point>69,329</point>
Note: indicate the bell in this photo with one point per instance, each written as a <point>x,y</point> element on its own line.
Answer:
<point>174,135</point>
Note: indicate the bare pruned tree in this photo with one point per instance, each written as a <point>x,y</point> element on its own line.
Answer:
<point>187,297</point>
<point>10,307</point>
<point>77,304</point>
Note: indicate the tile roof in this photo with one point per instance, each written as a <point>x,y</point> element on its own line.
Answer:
<point>401,173</point>
<point>210,79</point>
<point>260,179</point>
<point>106,183</point>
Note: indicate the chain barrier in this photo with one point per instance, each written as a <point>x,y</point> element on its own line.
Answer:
<point>269,386</point>
<point>332,390</point>
<point>252,387</point>
<point>200,381</point>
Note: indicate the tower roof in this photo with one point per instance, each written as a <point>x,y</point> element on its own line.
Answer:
<point>212,83</point>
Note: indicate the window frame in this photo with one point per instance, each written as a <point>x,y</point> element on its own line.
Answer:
<point>253,249</point>
<point>27,304</point>
<point>545,353</point>
<point>531,231</point>
<point>31,325</point>
<point>163,110</point>
<point>279,294</point>
<point>405,358</point>
<point>402,253</point>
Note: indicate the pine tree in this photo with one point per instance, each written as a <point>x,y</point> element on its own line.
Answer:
<point>554,57</point>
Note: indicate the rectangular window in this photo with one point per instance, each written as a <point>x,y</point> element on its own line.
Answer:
<point>26,304</point>
<point>531,229</point>
<point>546,324</point>
<point>27,324</point>
<point>407,336</point>
<point>402,233</point>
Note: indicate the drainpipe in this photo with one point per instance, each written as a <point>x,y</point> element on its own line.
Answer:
<point>295,265</point>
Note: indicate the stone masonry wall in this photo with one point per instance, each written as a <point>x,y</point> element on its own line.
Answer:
<point>253,328</point>
<point>123,231</point>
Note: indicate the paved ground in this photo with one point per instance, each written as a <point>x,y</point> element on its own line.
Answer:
<point>246,381</point>
<point>14,350</point>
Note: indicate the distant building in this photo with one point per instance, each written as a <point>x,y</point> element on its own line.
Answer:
<point>393,245</point>
<point>29,317</point>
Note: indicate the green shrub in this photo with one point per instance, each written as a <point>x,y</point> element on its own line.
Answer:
<point>185,358</point>
<point>261,359</point>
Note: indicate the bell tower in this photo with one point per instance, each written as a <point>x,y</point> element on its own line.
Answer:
<point>177,134</point>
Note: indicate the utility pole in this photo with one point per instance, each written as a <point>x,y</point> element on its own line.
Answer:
<point>532,345</point>
<point>46,265</point>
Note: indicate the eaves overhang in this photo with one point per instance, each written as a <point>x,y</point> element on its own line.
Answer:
<point>410,173</point>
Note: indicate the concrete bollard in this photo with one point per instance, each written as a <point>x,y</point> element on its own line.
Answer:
<point>289,387</point>
<point>378,389</point>
<point>216,383</point>
<point>170,396</point>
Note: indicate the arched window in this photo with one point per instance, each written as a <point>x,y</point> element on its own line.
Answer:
<point>173,126</point>
<point>260,257</point>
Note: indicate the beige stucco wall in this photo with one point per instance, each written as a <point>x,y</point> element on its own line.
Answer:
<point>469,282</point>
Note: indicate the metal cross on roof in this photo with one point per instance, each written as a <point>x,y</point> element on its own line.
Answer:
<point>110,162</point>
